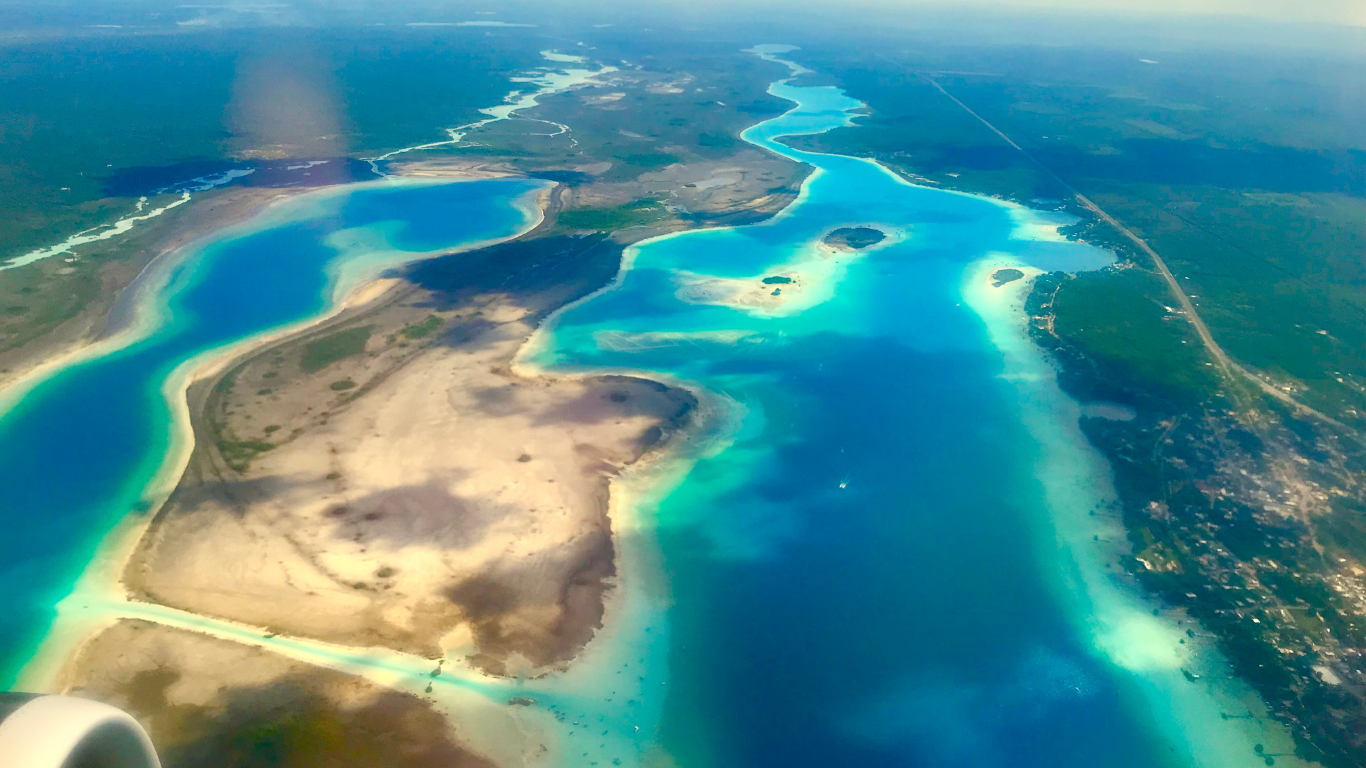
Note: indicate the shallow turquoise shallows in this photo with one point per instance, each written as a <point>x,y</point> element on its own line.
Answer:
<point>865,574</point>
<point>875,549</point>
<point>78,451</point>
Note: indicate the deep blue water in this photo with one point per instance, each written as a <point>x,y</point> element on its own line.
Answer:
<point>860,578</point>
<point>867,572</point>
<point>77,452</point>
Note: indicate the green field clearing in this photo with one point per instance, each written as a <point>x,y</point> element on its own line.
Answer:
<point>322,352</point>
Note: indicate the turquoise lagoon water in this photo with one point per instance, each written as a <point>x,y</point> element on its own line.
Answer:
<point>79,450</point>
<point>875,557</point>
<point>869,570</point>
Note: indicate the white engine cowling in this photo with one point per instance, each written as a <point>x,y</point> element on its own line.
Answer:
<point>39,731</point>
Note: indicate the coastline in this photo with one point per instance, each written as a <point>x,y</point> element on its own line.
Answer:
<point>103,577</point>
<point>1125,625</point>
<point>475,701</point>
<point>1131,638</point>
<point>132,318</point>
<point>104,572</point>
<point>1134,640</point>
<point>635,624</point>
<point>120,324</point>
<point>123,316</point>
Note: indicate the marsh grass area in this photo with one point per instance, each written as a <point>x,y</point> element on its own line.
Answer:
<point>1252,191</point>
<point>83,113</point>
<point>267,711</point>
<point>39,298</point>
<point>320,353</point>
<point>74,157</point>
<point>90,124</point>
<point>654,144</point>
<point>613,218</point>
<point>1248,176</point>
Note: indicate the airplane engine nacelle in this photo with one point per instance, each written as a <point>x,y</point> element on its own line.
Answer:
<point>40,731</point>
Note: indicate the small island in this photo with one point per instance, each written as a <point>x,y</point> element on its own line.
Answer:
<point>1002,276</point>
<point>854,238</point>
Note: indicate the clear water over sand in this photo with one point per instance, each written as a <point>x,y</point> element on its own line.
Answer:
<point>81,450</point>
<point>879,549</point>
<point>884,556</point>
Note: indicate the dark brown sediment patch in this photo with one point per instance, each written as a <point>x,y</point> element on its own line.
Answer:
<point>303,506</point>
<point>261,708</point>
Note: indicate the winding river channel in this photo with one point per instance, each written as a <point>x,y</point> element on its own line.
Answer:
<point>887,542</point>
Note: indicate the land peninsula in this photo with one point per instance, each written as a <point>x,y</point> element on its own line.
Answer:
<point>384,479</point>
<point>387,480</point>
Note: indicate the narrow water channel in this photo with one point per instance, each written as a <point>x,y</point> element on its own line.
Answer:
<point>888,559</point>
<point>84,448</point>
<point>879,549</point>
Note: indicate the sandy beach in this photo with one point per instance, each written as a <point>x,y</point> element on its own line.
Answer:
<point>1126,629</point>
<point>454,509</point>
<point>444,506</point>
<point>418,495</point>
<point>810,277</point>
<point>111,322</point>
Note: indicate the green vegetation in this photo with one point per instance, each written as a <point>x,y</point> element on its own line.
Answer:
<point>1002,276</point>
<point>422,329</point>
<point>302,724</point>
<point>1257,210</point>
<point>855,238</point>
<point>724,140</point>
<point>651,128</point>
<point>1124,323</point>
<point>620,217</point>
<point>1279,278</point>
<point>89,124</point>
<point>322,352</point>
<point>227,382</point>
<point>649,160</point>
<point>343,385</point>
<point>239,453</point>
<point>70,106</point>
<point>37,298</point>
<point>1250,186</point>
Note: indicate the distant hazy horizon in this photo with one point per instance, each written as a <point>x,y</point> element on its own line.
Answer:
<point>1339,12</point>
<point>1350,13</point>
